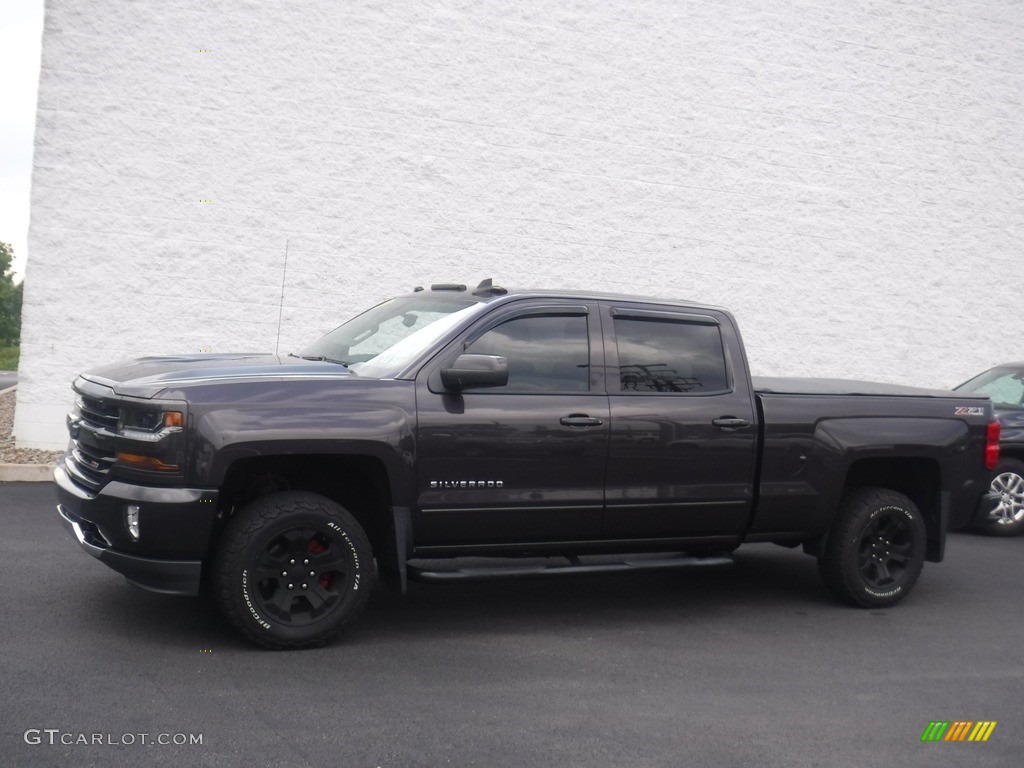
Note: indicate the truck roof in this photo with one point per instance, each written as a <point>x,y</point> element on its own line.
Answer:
<point>486,291</point>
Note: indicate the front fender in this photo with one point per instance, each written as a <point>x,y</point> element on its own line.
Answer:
<point>224,436</point>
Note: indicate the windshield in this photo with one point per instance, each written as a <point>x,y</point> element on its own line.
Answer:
<point>1005,386</point>
<point>385,339</point>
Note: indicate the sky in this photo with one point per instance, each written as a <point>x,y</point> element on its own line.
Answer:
<point>21,32</point>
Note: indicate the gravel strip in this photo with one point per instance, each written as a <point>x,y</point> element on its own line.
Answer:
<point>8,453</point>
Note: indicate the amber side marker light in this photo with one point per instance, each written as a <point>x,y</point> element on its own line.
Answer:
<point>992,444</point>
<point>145,462</point>
<point>173,419</point>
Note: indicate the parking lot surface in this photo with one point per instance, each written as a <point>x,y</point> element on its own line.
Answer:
<point>752,666</point>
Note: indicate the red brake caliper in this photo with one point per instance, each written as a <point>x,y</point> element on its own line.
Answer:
<point>316,548</point>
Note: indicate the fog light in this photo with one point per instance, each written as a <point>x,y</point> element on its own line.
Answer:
<point>131,520</point>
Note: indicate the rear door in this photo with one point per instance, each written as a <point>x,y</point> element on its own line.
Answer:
<point>683,429</point>
<point>524,462</point>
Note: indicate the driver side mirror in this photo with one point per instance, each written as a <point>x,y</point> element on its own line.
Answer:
<point>472,371</point>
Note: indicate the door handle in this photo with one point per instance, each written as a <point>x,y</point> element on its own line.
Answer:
<point>729,423</point>
<point>580,420</point>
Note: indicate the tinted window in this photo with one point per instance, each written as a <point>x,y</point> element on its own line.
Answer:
<point>668,356</point>
<point>544,353</point>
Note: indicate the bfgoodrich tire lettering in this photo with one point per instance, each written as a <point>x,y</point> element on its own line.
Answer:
<point>876,548</point>
<point>293,569</point>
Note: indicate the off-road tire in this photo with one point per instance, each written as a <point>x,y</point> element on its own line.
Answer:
<point>876,548</point>
<point>293,569</point>
<point>1004,502</point>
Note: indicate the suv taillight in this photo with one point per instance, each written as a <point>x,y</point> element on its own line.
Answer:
<point>992,444</point>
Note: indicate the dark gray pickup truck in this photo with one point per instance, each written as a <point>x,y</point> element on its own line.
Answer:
<point>585,431</point>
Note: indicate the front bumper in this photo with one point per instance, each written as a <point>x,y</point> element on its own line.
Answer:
<point>175,528</point>
<point>170,577</point>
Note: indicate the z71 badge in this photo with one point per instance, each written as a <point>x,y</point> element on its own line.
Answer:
<point>969,410</point>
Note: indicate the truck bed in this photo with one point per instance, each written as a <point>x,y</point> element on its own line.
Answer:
<point>800,386</point>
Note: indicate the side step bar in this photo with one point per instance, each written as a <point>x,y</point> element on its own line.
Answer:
<point>506,570</point>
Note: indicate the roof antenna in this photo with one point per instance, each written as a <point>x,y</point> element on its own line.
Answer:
<point>488,288</point>
<point>280,309</point>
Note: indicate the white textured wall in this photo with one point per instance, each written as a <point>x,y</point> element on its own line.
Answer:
<point>847,177</point>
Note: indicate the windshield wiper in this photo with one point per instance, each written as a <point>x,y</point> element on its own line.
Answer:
<point>319,359</point>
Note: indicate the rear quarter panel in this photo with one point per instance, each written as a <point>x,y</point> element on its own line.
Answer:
<point>813,444</point>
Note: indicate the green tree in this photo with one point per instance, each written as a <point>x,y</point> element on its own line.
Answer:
<point>10,299</point>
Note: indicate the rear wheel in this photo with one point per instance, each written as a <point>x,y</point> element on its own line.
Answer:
<point>876,548</point>
<point>1005,500</point>
<point>293,570</point>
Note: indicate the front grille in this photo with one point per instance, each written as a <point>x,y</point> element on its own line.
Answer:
<point>100,414</point>
<point>91,463</point>
<point>92,447</point>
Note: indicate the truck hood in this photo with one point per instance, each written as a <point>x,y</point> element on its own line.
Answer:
<point>148,376</point>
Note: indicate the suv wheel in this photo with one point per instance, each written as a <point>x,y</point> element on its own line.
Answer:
<point>293,570</point>
<point>1005,500</point>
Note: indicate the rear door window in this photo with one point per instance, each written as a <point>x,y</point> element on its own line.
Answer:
<point>666,355</point>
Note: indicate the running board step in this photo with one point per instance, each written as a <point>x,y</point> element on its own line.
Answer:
<point>505,571</point>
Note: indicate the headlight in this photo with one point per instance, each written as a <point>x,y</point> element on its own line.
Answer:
<point>140,424</point>
<point>146,431</point>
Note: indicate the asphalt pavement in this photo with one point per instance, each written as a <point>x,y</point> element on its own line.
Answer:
<point>753,666</point>
<point>8,379</point>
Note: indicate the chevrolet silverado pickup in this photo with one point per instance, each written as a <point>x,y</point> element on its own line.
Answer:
<point>456,433</point>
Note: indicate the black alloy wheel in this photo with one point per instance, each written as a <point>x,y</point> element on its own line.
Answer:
<point>301,575</point>
<point>886,547</point>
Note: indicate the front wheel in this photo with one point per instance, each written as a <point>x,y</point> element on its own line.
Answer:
<point>293,570</point>
<point>876,548</point>
<point>1005,500</point>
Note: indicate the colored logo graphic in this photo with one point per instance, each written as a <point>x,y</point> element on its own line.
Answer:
<point>958,730</point>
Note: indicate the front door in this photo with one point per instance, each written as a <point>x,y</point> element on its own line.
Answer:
<point>524,462</point>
